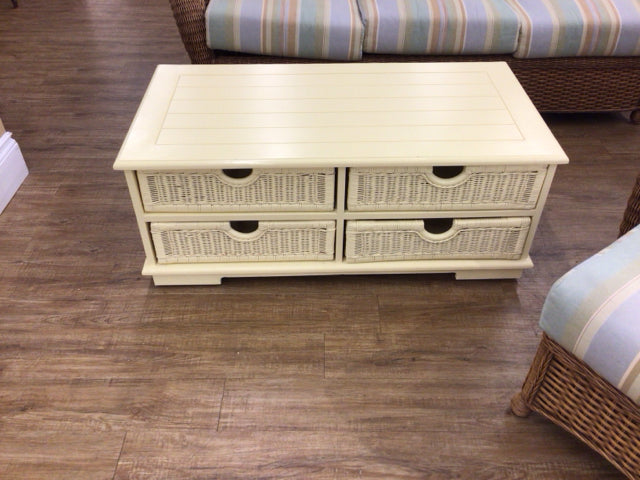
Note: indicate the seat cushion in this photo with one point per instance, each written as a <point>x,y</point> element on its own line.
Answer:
<point>593,311</point>
<point>435,27</point>
<point>327,29</point>
<point>569,28</point>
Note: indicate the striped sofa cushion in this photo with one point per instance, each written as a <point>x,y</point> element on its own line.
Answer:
<point>439,26</point>
<point>568,28</point>
<point>327,29</point>
<point>594,312</point>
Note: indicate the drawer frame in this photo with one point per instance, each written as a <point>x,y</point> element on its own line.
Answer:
<point>213,273</point>
<point>335,116</point>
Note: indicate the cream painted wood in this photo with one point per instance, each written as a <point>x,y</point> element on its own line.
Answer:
<point>198,117</point>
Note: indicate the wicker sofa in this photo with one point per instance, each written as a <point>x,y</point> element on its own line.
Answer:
<point>563,384</point>
<point>556,84</point>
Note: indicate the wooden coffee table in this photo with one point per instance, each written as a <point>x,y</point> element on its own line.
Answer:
<point>270,170</point>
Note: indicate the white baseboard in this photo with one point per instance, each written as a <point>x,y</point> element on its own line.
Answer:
<point>13,169</point>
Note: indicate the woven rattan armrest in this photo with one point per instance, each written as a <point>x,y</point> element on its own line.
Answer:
<point>189,16</point>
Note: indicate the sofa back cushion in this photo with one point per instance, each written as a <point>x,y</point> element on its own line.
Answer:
<point>446,27</point>
<point>326,29</point>
<point>569,28</point>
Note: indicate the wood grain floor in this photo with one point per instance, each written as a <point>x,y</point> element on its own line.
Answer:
<point>103,376</point>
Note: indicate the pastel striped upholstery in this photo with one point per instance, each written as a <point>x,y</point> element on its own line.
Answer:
<point>439,26</point>
<point>326,29</point>
<point>568,28</point>
<point>593,311</point>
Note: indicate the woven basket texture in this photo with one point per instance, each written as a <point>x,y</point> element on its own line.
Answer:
<point>197,242</point>
<point>567,391</point>
<point>215,191</point>
<point>475,238</point>
<point>474,188</point>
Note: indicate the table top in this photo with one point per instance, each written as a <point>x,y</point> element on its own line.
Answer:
<point>335,115</point>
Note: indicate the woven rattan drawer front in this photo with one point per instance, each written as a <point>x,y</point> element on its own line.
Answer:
<point>473,238</point>
<point>444,188</point>
<point>197,242</point>
<point>238,190</point>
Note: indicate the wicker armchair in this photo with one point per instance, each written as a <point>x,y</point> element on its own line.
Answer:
<point>568,392</point>
<point>576,84</point>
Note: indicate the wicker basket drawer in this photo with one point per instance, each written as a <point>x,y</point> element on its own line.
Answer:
<point>238,190</point>
<point>472,238</point>
<point>444,188</point>
<point>246,241</point>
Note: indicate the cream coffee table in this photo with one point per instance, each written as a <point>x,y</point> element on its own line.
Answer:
<point>360,168</point>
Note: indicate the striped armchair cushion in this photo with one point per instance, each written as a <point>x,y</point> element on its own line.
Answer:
<point>446,27</point>
<point>569,28</point>
<point>594,312</point>
<point>327,29</point>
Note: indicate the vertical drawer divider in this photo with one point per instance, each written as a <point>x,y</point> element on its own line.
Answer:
<point>341,188</point>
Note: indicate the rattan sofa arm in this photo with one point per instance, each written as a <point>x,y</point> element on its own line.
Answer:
<point>632,213</point>
<point>189,16</point>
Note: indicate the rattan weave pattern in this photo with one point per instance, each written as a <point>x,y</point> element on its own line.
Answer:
<point>198,242</point>
<point>568,392</point>
<point>474,188</point>
<point>581,83</point>
<point>632,213</point>
<point>189,17</point>
<point>470,238</point>
<point>260,190</point>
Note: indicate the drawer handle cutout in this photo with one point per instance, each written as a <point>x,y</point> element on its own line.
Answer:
<point>447,172</point>
<point>438,226</point>
<point>244,226</point>
<point>237,173</point>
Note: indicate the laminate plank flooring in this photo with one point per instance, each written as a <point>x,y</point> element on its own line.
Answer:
<point>104,376</point>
